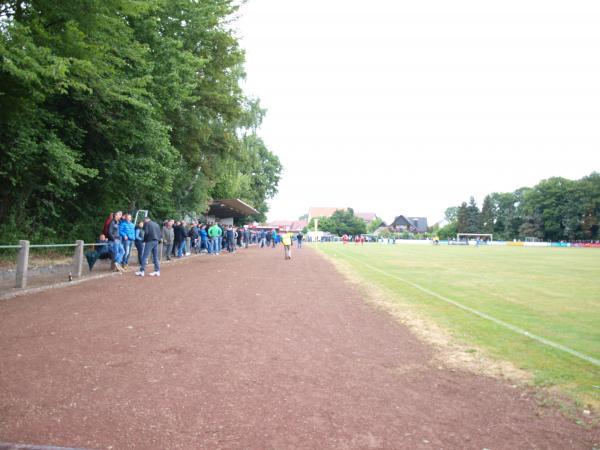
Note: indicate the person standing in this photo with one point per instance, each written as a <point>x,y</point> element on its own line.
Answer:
<point>152,235</point>
<point>246,232</point>
<point>231,237</point>
<point>168,236</point>
<point>139,241</point>
<point>215,233</point>
<point>205,243</point>
<point>127,235</point>
<point>194,235</point>
<point>222,228</point>
<point>180,238</point>
<point>176,241</point>
<point>240,237</point>
<point>107,222</point>
<point>299,238</point>
<point>274,237</point>
<point>115,239</point>
<point>286,240</point>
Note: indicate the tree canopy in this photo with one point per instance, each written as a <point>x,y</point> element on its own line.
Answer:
<point>123,104</point>
<point>374,225</point>
<point>555,209</point>
<point>341,222</point>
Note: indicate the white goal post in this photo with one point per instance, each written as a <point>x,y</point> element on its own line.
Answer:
<point>474,236</point>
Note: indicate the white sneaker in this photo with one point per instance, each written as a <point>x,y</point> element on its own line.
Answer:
<point>139,274</point>
<point>155,274</point>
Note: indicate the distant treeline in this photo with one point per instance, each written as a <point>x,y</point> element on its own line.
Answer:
<point>555,209</point>
<point>123,104</point>
<point>342,221</point>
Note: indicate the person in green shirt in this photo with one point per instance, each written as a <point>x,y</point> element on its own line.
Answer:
<point>215,232</point>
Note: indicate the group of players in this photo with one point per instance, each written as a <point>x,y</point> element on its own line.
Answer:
<point>358,240</point>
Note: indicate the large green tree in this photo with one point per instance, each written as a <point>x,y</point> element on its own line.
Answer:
<point>127,104</point>
<point>374,225</point>
<point>462,218</point>
<point>473,219</point>
<point>487,216</point>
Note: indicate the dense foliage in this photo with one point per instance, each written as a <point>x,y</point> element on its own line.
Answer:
<point>123,104</point>
<point>555,209</point>
<point>341,222</point>
<point>374,225</point>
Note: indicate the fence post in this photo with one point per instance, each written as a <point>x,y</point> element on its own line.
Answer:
<point>22,265</point>
<point>78,259</point>
<point>160,250</point>
<point>188,245</point>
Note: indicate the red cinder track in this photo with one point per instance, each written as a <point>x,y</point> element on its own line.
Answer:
<point>245,351</point>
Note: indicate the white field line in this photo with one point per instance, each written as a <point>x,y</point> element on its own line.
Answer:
<point>517,330</point>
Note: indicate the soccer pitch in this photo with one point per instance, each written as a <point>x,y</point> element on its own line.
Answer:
<point>552,293</point>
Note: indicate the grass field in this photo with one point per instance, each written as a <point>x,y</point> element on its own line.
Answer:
<point>551,292</point>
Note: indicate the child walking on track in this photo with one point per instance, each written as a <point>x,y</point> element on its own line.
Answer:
<point>286,240</point>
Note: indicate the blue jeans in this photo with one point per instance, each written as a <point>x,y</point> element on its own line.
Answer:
<point>207,244</point>
<point>181,249</point>
<point>117,251</point>
<point>151,246</point>
<point>140,250</point>
<point>127,246</point>
<point>216,244</point>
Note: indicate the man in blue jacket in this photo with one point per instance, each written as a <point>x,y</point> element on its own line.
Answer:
<point>127,234</point>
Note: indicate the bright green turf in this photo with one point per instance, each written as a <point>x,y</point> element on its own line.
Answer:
<point>551,292</point>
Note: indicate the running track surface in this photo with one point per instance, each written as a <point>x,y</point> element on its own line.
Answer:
<point>245,351</point>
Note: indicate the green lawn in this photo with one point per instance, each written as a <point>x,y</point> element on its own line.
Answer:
<point>551,292</point>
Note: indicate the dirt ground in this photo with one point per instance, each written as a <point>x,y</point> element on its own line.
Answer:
<point>246,351</point>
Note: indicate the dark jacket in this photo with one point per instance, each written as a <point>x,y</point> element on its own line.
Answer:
<point>113,230</point>
<point>103,250</point>
<point>180,233</point>
<point>151,231</point>
<point>139,234</point>
<point>193,233</point>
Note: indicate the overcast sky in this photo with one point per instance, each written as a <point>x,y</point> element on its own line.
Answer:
<point>408,107</point>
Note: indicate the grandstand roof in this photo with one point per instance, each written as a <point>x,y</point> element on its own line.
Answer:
<point>230,207</point>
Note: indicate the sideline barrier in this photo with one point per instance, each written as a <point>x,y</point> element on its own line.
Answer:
<point>22,257</point>
<point>493,243</point>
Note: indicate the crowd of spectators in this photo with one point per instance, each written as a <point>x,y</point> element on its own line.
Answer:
<point>178,237</point>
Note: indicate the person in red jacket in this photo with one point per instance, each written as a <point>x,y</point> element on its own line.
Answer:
<point>107,224</point>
